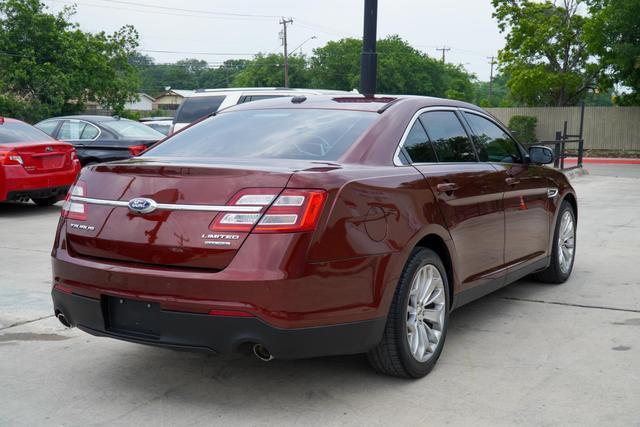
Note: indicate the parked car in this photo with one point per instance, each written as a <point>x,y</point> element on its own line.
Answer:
<point>101,138</point>
<point>312,226</point>
<point>161,124</point>
<point>207,101</point>
<point>33,165</point>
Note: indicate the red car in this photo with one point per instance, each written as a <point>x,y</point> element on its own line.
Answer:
<point>33,165</point>
<point>308,227</point>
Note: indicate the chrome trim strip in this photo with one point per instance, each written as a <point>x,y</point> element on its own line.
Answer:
<point>552,192</point>
<point>172,207</point>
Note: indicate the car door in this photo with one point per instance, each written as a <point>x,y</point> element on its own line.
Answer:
<point>469,194</point>
<point>525,186</point>
<point>79,133</point>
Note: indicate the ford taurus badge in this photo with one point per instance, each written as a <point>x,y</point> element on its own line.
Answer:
<point>142,205</point>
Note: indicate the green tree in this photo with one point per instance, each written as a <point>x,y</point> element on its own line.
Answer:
<point>545,55</point>
<point>402,69</point>
<point>500,95</point>
<point>613,34</point>
<point>49,63</point>
<point>267,70</point>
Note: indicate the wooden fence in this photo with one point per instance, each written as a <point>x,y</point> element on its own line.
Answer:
<point>605,128</point>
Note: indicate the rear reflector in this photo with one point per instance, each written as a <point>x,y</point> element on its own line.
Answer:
<point>293,211</point>
<point>137,149</point>
<point>72,209</point>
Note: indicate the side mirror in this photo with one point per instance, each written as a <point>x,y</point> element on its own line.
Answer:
<point>541,155</point>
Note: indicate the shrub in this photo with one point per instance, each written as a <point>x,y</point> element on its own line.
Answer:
<point>524,128</point>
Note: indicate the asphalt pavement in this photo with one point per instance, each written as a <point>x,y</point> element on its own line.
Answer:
<point>531,354</point>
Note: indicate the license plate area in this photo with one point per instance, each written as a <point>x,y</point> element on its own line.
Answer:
<point>132,317</point>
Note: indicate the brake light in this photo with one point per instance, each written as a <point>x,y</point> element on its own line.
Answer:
<point>293,210</point>
<point>137,149</point>
<point>73,209</point>
<point>74,155</point>
<point>8,158</point>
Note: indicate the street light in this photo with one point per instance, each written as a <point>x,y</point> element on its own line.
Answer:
<point>300,45</point>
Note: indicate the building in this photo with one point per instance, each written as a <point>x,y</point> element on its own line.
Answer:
<point>171,99</point>
<point>142,102</point>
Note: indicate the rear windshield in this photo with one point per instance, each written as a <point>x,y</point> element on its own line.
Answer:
<point>11,131</point>
<point>278,133</point>
<point>132,130</point>
<point>196,107</point>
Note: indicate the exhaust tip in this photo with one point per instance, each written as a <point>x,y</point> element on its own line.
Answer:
<point>63,320</point>
<point>262,353</point>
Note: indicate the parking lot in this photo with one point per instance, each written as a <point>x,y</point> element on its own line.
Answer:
<point>531,353</point>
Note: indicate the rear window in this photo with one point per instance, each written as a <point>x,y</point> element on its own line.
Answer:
<point>132,130</point>
<point>11,131</point>
<point>196,107</point>
<point>279,133</point>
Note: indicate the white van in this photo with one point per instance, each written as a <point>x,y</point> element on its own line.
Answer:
<point>206,101</point>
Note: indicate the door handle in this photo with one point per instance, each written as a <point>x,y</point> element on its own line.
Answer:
<point>447,187</point>
<point>512,181</point>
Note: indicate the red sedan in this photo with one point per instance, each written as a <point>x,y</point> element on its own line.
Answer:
<point>33,165</point>
<point>307,227</point>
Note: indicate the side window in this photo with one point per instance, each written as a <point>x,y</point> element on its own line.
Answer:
<point>89,132</point>
<point>71,130</point>
<point>492,143</point>
<point>418,145</point>
<point>448,137</point>
<point>48,127</point>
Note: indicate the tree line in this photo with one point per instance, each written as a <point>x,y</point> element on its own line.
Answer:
<point>556,53</point>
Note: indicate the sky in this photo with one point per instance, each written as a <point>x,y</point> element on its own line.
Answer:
<point>213,30</point>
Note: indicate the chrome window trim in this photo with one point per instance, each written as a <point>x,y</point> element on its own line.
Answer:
<point>496,122</point>
<point>168,206</point>
<point>83,121</point>
<point>396,156</point>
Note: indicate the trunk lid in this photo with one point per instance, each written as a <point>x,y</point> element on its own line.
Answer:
<point>170,237</point>
<point>43,157</point>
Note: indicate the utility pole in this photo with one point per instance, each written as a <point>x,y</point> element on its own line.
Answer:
<point>492,62</point>
<point>369,56</point>
<point>284,23</point>
<point>444,49</point>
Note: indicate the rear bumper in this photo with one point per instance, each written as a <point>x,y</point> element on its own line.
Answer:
<point>223,335</point>
<point>15,182</point>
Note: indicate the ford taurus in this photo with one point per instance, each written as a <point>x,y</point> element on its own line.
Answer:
<point>297,227</point>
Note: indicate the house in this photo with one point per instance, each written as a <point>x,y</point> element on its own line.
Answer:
<point>142,102</point>
<point>171,99</point>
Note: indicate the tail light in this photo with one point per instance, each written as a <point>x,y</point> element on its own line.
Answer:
<point>8,158</point>
<point>74,155</point>
<point>287,212</point>
<point>73,209</point>
<point>137,149</point>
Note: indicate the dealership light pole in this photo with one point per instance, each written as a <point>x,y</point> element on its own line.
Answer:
<point>369,56</point>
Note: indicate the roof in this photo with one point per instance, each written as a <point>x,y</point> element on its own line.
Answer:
<point>184,93</point>
<point>88,117</point>
<point>142,95</point>
<point>206,92</point>
<point>354,102</point>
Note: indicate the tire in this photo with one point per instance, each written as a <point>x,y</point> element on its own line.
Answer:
<point>559,271</point>
<point>46,201</point>
<point>394,355</point>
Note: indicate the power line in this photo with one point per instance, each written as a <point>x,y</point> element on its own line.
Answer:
<point>199,11</point>
<point>199,53</point>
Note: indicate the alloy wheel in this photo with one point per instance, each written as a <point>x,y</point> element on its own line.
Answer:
<point>566,241</point>
<point>425,312</point>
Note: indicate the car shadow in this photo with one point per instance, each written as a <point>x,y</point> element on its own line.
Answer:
<point>25,210</point>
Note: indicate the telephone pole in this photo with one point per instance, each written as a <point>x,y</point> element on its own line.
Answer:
<point>492,61</point>
<point>284,23</point>
<point>444,49</point>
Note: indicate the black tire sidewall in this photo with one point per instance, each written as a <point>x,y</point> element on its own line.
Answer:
<point>419,258</point>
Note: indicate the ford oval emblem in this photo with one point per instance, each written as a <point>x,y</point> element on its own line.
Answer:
<point>142,205</point>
